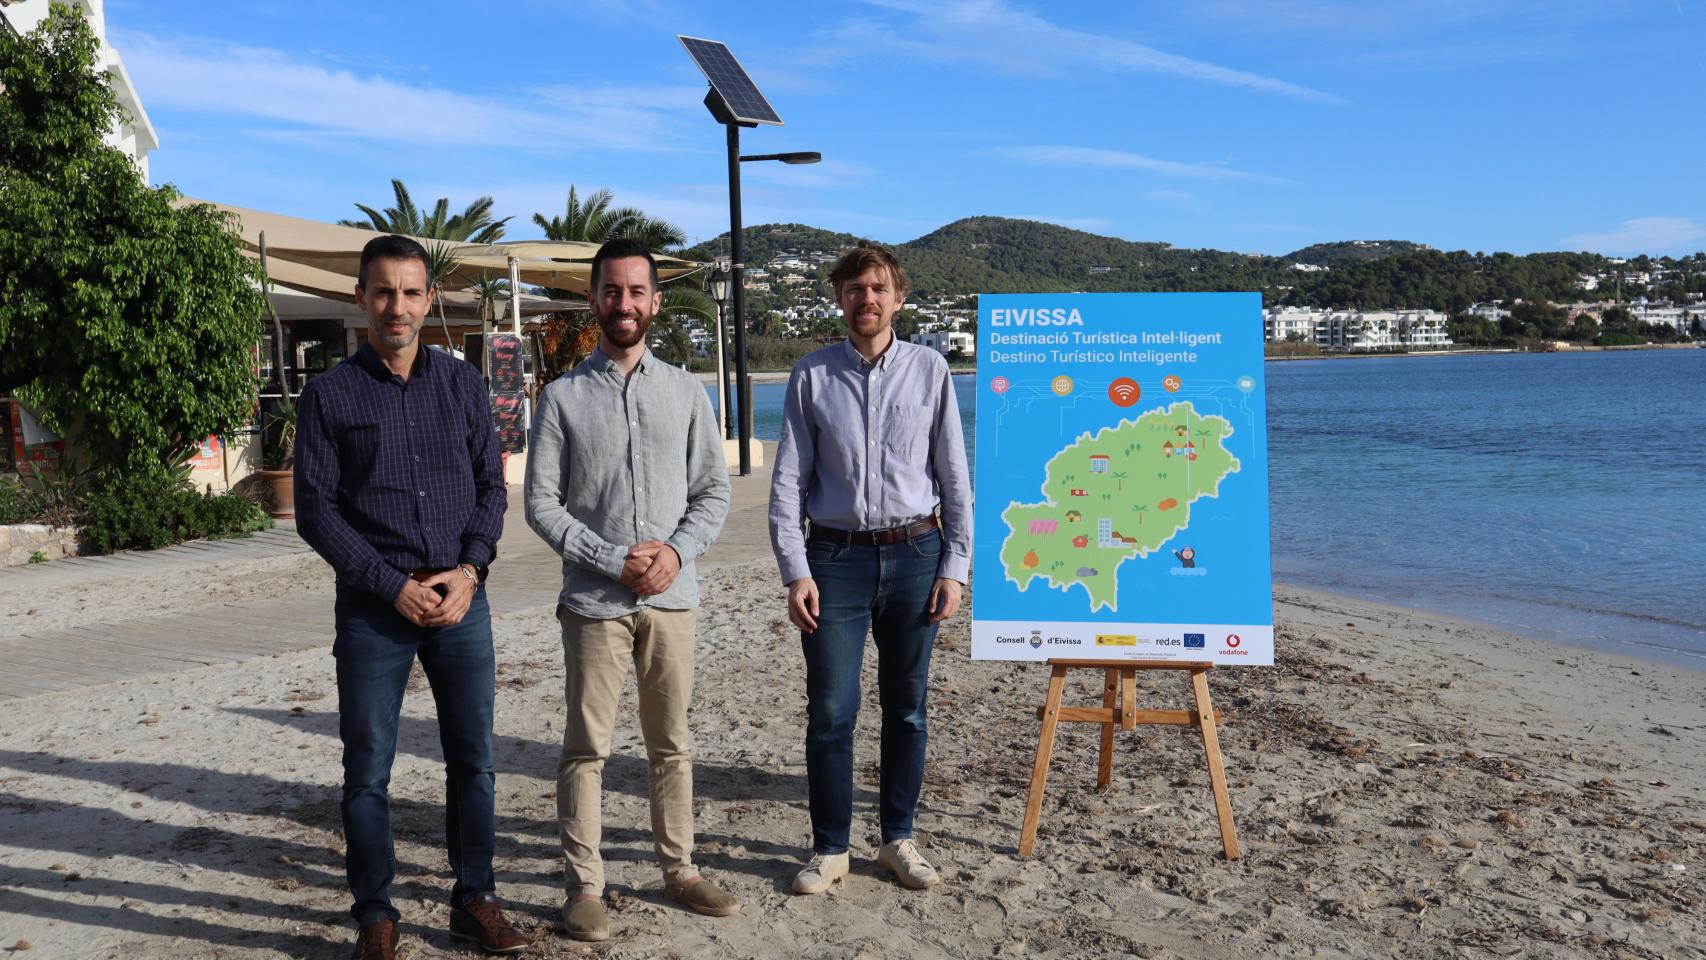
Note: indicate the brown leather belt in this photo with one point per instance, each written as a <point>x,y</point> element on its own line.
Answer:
<point>875,538</point>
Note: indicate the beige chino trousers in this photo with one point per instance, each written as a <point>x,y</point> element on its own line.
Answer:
<point>596,658</point>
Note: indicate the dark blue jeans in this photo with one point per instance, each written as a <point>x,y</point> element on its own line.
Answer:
<point>885,590</point>
<point>375,648</point>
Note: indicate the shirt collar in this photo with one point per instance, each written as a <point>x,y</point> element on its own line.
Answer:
<point>858,360</point>
<point>368,359</point>
<point>601,361</point>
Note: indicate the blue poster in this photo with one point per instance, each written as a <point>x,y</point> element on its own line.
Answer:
<point>1122,479</point>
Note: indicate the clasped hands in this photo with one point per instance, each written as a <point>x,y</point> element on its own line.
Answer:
<point>421,605</point>
<point>650,568</point>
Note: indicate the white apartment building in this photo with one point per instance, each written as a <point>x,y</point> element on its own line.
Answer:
<point>134,134</point>
<point>1350,330</point>
<point>947,341</point>
<point>1284,323</point>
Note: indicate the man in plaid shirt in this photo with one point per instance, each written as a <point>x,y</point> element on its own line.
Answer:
<point>398,487</point>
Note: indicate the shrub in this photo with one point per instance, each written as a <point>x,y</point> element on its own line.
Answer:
<point>151,514</point>
<point>52,496</point>
<point>13,505</point>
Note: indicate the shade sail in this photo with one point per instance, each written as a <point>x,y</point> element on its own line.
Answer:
<point>335,250</point>
<point>458,304</point>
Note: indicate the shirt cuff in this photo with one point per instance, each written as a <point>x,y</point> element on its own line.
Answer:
<point>610,560</point>
<point>793,568</point>
<point>953,566</point>
<point>388,582</point>
<point>477,552</point>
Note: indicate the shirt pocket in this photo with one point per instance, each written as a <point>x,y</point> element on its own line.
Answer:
<point>907,433</point>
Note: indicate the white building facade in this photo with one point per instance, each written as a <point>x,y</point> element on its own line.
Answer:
<point>133,134</point>
<point>945,342</point>
<point>1351,330</point>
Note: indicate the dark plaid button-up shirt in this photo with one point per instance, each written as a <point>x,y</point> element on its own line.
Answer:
<point>397,475</point>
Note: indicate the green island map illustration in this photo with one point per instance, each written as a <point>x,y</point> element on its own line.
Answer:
<point>1115,495</point>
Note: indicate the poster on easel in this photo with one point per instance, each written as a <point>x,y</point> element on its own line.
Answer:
<point>506,377</point>
<point>1121,479</point>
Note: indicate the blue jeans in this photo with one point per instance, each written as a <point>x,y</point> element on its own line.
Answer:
<point>375,648</point>
<point>886,590</point>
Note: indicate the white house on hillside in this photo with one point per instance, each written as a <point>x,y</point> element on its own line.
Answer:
<point>134,134</point>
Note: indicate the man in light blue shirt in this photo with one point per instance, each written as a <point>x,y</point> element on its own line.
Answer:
<point>626,482</point>
<point>870,518</point>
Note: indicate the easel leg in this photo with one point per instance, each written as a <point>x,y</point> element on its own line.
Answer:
<point>1105,763</point>
<point>1045,751</point>
<point>1216,773</point>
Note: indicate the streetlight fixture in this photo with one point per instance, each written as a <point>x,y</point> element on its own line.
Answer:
<point>735,102</point>
<point>720,293</point>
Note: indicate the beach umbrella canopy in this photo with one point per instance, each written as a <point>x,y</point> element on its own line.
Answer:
<point>336,250</point>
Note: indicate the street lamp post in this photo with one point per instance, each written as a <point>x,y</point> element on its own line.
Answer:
<point>720,293</point>
<point>735,102</point>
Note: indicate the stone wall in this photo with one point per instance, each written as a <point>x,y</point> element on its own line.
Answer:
<point>19,542</point>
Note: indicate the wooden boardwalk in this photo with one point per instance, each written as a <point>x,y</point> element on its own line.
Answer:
<point>526,575</point>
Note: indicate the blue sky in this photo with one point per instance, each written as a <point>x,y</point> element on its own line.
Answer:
<point>1252,125</point>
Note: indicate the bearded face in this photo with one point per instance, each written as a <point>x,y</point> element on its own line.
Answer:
<point>869,302</point>
<point>625,301</point>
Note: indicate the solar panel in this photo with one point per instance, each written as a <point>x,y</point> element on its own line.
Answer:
<point>730,81</point>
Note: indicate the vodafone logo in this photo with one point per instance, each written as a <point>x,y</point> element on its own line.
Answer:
<point>1233,640</point>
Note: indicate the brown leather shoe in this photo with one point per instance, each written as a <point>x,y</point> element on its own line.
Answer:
<point>377,941</point>
<point>482,921</point>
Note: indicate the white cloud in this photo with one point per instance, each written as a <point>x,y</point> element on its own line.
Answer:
<point>1067,156</point>
<point>1658,235</point>
<point>234,81</point>
<point>1015,41</point>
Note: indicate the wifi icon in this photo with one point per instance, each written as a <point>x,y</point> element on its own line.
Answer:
<point>1124,392</point>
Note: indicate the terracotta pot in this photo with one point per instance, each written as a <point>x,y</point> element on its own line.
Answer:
<point>283,486</point>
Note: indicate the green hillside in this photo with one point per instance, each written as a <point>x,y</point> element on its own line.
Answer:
<point>1000,255</point>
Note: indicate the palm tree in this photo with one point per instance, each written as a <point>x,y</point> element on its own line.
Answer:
<point>592,221</point>
<point>473,225</point>
<point>487,292</point>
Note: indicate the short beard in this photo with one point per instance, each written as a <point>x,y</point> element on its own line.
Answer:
<point>642,325</point>
<point>400,341</point>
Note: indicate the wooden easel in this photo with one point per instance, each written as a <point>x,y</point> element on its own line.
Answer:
<point>1119,707</point>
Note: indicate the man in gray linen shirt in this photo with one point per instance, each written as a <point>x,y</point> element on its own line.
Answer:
<point>626,481</point>
<point>871,449</point>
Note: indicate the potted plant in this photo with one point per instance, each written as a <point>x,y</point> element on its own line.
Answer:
<point>278,456</point>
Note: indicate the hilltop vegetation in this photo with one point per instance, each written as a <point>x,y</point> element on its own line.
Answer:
<point>995,254</point>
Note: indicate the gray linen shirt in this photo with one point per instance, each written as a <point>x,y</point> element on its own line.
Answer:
<point>867,446</point>
<point>616,461</point>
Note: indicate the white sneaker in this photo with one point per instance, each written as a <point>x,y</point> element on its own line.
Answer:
<point>908,864</point>
<point>823,870</point>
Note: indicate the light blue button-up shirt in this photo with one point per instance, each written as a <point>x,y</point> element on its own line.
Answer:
<point>868,445</point>
<point>616,461</point>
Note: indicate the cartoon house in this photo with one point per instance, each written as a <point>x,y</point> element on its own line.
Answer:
<point>1190,451</point>
<point>1098,463</point>
<point>1073,516</point>
<point>1167,449</point>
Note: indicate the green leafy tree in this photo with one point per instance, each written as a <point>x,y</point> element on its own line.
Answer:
<point>593,221</point>
<point>473,225</point>
<point>125,321</point>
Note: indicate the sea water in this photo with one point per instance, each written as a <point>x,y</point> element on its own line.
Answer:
<point>1558,495</point>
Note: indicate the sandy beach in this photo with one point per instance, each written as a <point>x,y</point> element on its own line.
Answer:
<point>1404,785</point>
